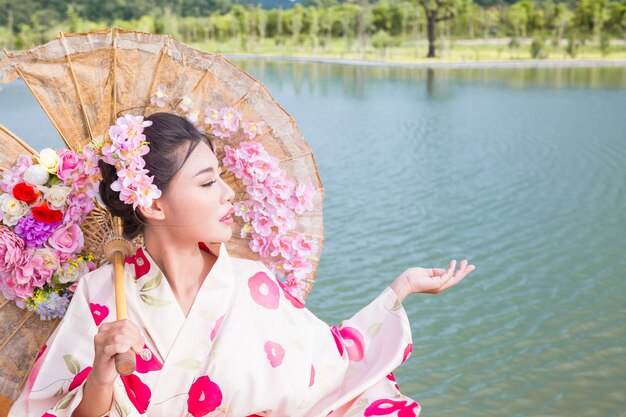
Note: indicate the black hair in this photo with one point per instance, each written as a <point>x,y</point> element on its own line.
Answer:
<point>171,139</point>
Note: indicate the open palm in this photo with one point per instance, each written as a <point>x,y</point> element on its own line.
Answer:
<point>435,280</point>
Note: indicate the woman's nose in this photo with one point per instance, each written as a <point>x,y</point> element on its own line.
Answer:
<point>229,194</point>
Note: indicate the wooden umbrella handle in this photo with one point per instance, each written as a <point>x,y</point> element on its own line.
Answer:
<point>124,362</point>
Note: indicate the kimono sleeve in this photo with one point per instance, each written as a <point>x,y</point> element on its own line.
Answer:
<point>55,384</point>
<point>346,362</point>
<point>371,344</point>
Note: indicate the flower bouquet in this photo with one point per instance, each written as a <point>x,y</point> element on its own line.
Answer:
<point>44,201</point>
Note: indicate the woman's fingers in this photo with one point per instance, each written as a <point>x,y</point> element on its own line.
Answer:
<point>464,269</point>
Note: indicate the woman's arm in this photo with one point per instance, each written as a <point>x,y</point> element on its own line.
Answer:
<point>112,338</point>
<point>97,399</point>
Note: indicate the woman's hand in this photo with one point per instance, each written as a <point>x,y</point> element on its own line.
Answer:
<point>112,338</point>
<point>430,280</point>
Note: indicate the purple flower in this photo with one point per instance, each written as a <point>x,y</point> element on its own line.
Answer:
<point>34,232</point>
<point>51,305</point>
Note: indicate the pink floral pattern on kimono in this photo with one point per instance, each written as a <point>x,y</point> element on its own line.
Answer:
<point>246,347</point>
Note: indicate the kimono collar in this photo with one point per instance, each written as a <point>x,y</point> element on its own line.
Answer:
<point>220,276</point>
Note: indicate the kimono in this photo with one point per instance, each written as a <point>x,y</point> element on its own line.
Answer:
<point>246,348</point>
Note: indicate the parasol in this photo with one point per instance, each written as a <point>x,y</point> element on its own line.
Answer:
<point>83,81</point>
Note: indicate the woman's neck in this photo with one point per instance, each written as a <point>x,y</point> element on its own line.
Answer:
<point>184,264</point>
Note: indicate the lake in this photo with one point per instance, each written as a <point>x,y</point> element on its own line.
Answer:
<point>521,171</point>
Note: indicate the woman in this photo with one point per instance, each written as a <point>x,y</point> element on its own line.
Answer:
<point>214,334</point>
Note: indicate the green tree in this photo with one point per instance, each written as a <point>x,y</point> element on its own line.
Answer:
<point>437,11</point>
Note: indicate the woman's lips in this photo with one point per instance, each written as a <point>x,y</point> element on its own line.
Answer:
<point>228,219</point>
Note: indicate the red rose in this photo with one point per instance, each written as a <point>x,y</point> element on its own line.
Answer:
<point>43,213</point>
<point>25,193</point>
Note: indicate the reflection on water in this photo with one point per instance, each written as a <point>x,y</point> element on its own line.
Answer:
<point>521,171</point>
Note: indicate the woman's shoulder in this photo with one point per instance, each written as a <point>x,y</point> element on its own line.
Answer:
<point>244,265</point>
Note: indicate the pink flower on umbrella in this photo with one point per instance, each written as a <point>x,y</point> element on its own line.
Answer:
<point>261,244</point>
<point>275,353</point>
<point>250,130</point>
<point>293,300</point>
<point>263,226</point>
<point>138,392</point>
<point>302,199</point>
<point>298,266</point>
<point>303,246</point>
<point>204,397</point>
<point>186,104</point>
<point>98,312</point>
<point>264,290</point>
<point>160,98</point>
<point>223,122</point>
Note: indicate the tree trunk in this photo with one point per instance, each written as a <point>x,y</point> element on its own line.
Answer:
<point>431,15</point>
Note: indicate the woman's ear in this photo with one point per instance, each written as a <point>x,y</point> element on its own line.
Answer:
<point>154,212</point>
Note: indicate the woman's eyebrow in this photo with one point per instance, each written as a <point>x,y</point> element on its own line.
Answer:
<point>209,169</point>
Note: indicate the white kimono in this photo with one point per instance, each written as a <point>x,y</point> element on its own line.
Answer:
<point>247,347</point>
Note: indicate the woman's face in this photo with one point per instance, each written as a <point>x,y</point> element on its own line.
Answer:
<point>197,198</point>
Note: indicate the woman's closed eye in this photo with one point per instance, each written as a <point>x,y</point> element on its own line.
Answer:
<point>210,183</point>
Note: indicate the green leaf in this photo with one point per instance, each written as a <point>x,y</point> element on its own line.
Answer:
<point>396,306</point>
<point>153,283</point>
<point>118,409</point>
<point>64,402</point>
<point>373,330</point>
<point>153,301</point>
<point>122,409</point>
<point>189,364</point>
<point>72,364</point>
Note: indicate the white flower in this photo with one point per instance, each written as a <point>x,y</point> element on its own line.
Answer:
<point>49,159</point>
<point>12,209</point>
<point>57,195</point>
<point>72,271</point>
<point>186,103</point>
<point>50,260</point>
<point>36,175</point>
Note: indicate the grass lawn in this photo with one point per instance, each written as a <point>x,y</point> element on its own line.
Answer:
<point>453,51</point>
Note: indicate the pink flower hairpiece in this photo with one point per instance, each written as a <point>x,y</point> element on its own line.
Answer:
<point>125,152</point>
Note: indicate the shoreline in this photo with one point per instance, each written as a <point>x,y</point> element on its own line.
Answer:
<point>522,63</point>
